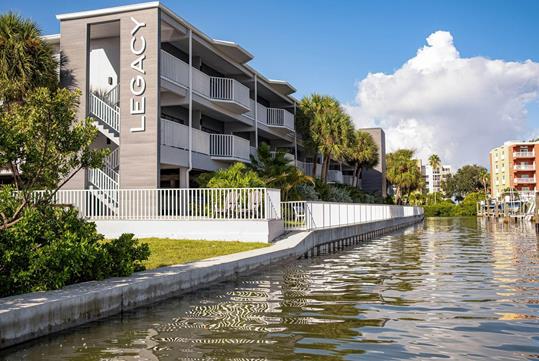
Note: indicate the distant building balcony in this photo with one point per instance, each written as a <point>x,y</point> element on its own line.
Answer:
<point>524,154</point>
<point>524,167</point>
<point>229,147</point>
<point>524,180</point>
<point>348,179</point>
<point>273,117</point>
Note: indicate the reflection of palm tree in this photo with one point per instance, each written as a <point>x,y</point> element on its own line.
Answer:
<point>435,163</point>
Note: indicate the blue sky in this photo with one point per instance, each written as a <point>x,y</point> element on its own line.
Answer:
<point>327,46</point>
<point>330,46</point>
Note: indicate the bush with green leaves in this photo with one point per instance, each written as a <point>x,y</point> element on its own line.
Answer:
<point>51,247</point>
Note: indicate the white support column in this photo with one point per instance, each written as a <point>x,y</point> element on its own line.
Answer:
<point>190,105</point>
<point>256,111</point>
<point>295,139</point>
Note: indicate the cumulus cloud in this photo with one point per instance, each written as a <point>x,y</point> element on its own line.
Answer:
<point>439,102</point>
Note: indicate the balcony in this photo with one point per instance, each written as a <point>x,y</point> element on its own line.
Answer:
<point>524,167</point>
<point>348,179</point>
<point>177,135</point>
<point>308,169</point>
<point>225,92</point>
<point>335,176</point>
<point>229,147</point>
<point>288,156</point>
<point>524,154</point>
<point>524,180</point>
<point>274,117</point>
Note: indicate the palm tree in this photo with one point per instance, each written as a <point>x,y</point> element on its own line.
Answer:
<point>277,171</point>
<point>331,130</point>
<point>363,153</point>
<point>308,122</point>
<point>485,179</point>
<point>26,61</point>
<point>403,172</point>
<point>435,163</point>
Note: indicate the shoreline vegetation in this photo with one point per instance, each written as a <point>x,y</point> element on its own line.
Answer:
<point>168,251</point>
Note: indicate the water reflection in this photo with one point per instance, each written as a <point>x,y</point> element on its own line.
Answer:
<point>450,289</point>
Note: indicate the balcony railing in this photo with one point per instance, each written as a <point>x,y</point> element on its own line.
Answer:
<point>335,175</point>
<point>308,169</point>
<point>229,146</point>
<point>524,154</point>
<point>280,118</point>
<point>348,179</point>
<point>177,135</point>
<point>524,167</point>
<point>222,90</point>
<point>525,180</point>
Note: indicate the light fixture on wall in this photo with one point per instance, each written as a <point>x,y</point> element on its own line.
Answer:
<point>110,80</point>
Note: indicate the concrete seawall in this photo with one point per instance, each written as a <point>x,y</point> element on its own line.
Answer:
<point>32,315</point>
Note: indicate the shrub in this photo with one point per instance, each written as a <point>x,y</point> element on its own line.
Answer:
<point>51,247</point>
<point>440,209</point>
<point>305,192</point>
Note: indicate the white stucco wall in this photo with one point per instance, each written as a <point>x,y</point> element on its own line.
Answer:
<point>104,62</point>
<point>225,230</point>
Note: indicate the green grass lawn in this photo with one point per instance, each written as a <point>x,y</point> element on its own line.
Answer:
<point>166,252</point>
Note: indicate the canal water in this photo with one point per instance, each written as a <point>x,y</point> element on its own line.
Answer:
<point>458,289</point>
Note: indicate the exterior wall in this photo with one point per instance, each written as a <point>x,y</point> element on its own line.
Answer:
<point>139,130</point>
<point>374,180</point>
<point>104,63</point>
<point>504,167</point>
<point>226,230</point>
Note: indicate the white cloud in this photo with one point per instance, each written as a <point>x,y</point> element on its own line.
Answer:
<point>439,102</point>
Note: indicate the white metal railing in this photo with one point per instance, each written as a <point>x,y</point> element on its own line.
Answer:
<point>335,175</point>
<point>102,179</point>
<point>229,146</point>
<point>525,180</point>
<point>288,156</point>
<point>177,135</point>
<point>229,90</point>
<point>113,95</point>
<point>524,166</point>
<point>174,70</point>
<point>110,115</point>
<point>113,159</point>
<point>280,118</point>
<point>307,215</point>
<point>348,179</point>
<point>174,204</point>
<point>308,168</point>
<point>524,154</point>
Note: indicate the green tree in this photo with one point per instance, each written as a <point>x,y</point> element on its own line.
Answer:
<point>277,171</point>
<point>363,153</point>
<point>485,180</point>
<point>235,176</point>
<point>26,61</point>
<point>44,146</point>
<point>308,118</point>
<point>467,179</point>
<point>332,129</point>
<point>403,173</point>
<point>435,163</point>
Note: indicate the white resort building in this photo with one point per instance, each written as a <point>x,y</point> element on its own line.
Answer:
<point>170,103</point>
<point>435,176</point>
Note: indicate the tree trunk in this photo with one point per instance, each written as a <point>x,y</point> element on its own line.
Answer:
<point>398,195</point>
<point>323,175</point>
<point>315,164</point>
<point>355,178</point>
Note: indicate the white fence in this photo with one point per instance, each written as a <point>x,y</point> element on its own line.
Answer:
<point>306,215</point>
<point>173,204</point>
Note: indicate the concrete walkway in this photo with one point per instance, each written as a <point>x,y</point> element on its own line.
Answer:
<point>32,315</point>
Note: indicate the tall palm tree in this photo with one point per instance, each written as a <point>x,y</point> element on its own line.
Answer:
<point>26,61</point>
<point>331,131</point>
<point>403,172</point>
<point>435,163</point>
<point>485,180</point>
<point>363,153</point>
<point>308,123</point>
